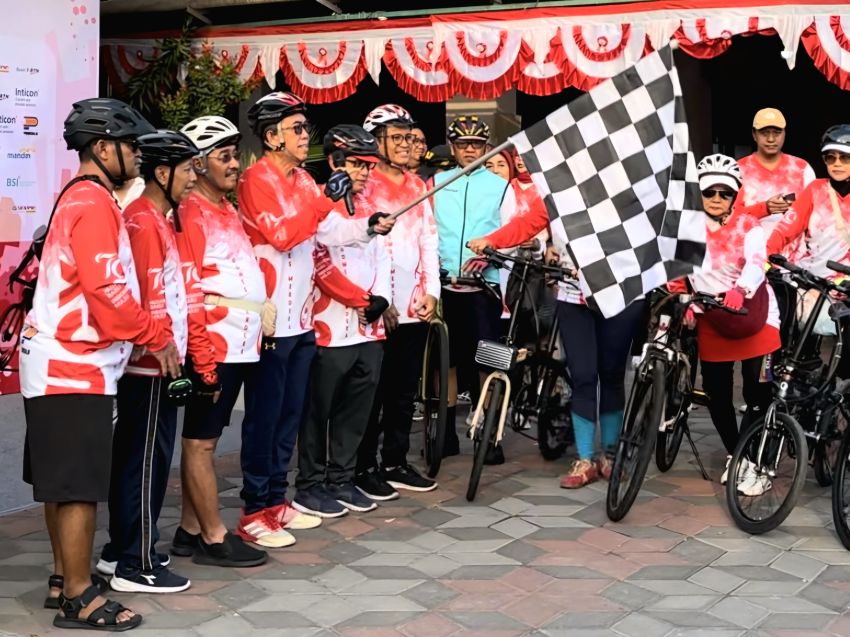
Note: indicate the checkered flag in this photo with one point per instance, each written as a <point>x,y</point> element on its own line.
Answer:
<point>616,169</point>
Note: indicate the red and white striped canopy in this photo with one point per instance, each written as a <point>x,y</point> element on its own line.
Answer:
<point>539,51</point>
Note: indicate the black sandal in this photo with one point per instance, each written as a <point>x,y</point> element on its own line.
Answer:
<point>108,612</point>
<point>57,581</point>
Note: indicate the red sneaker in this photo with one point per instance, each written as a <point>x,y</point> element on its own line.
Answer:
<point>604,466</point>
<point>262,528</point>
<point>581,473</point>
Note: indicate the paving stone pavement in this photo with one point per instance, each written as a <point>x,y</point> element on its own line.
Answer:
<point>526,558</point>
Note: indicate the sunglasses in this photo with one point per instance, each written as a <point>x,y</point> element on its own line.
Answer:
<point>477,144</point>
<point>831,158</point>
<point>132,142</point>
<point>226,157</point>
<point>398,138</point>
<point>710,193</point>
<point>300,128</point>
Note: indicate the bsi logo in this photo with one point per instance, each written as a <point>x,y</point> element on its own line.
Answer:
<point>19,182</point>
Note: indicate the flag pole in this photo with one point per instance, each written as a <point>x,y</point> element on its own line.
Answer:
<point>465,171</point>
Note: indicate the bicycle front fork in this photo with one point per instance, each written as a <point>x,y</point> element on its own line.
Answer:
<point>477,420</point>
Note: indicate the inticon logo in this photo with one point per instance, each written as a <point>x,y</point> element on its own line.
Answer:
<point>5,119</point>
<point>25,92</point>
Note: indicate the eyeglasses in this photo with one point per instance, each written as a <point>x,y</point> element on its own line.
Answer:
<point>359,164</point>
<point>300,127</point>
<point>132,142</point>
<point>711,193</point>
<point>419,141</point>
<point>831,158</point>
<point>398,138</point>
<point>226,157</point>
<point>476,144</point>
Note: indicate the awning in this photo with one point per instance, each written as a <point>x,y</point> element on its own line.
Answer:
<point>539,51</point>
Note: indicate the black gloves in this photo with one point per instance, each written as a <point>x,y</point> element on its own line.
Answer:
<point>377,306</point>
<point>374,219</point>
<point>338,185</point>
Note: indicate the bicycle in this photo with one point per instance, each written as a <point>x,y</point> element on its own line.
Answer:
<point>770,452</point>
<point>659,401</point>
<point>434,391</point>
<point>488,421</point>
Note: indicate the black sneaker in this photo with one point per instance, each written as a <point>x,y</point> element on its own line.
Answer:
<point>160,580</point>
<point>183,544</point>
<point>105,567</point>
<point>406,477</point>
<point>350,497</point>
<point>317,501</point>
<point>231,552</point>
<point>495,455</point>
<point>372,485</point>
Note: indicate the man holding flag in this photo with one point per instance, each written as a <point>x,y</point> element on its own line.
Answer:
<point>620,186</point>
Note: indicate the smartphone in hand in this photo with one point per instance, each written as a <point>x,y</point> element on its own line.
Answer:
<point>790,197</point>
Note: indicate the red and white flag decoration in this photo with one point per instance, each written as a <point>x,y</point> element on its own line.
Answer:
<point>539,51</point>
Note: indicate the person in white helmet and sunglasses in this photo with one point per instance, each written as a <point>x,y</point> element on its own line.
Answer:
<point>225,293</point>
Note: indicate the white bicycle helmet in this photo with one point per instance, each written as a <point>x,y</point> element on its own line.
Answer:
<point>387,115</point>
<point>719,169</point>
<point>211,131</point>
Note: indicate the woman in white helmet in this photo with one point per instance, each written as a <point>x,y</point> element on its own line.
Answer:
<point>736,252</point>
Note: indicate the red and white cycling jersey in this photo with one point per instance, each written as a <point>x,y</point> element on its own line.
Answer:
<point>86,314</point>
<point>160,275</point>
<point>344,276</point>
<point>790,175</point>
<point>412,246</point>
<point>282,215</point>
<point>812,218</point>
<point>218,259</point>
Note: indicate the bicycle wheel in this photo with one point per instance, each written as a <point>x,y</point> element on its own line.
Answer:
<point>435,395</point>
<point>826,450</point>
<point>634,449</point>
<point>484,435</point>
<point>676,407</point>
<point>554,424</point>
<point>775,470</point>
<point>841,491</point>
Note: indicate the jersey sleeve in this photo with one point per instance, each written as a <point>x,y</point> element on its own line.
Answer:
<point>94,243</point>
<point>261,209</point>
<point>334,283</point>
<point>520,229</point>
<point>752,274</point>
<point>757,210</point>
<point>793,223</point>
<point>429,252</point>
<point>336,230</point>
<point>507,209</point>
<point>191,245</point>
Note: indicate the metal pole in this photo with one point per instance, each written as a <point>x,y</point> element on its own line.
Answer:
<point>478,162</point>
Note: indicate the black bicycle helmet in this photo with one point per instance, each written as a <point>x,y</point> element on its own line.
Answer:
<point>272,108</point>
<point>351,141</point>
<point>103,118</point>
<point>836,138</point>
<point>468,127</point>
<point>165,148</point>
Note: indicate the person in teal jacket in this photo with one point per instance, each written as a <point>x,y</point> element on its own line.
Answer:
<point>474,205</point>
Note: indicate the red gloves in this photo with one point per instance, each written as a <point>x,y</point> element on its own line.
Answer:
<point>677,286</point>
<point>734,299</point>
<point>690,318</point>
<point>475,265</point>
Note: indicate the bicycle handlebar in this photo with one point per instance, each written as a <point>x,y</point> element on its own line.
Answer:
<point>709,300</point>
<point>498,259</point>
<point>477,280</point>
<point>838,267</point>
<point>809,280</point>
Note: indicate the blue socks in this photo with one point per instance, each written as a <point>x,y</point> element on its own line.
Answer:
<point>611,425</point>
<point>584,432</point>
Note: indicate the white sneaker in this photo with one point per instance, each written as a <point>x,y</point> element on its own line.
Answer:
<point>463,398</point>
<point>755,486</point>
<point>724,477</point>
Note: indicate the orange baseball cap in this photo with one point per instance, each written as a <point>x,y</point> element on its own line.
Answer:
<point>769,117</point>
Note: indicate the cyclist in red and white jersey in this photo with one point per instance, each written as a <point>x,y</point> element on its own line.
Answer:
<point>415,285</point>
<point>147,419</point>
<point>226,295</point>
<point>349,332</point>
<point>284,213</point>
<point>75,344</point>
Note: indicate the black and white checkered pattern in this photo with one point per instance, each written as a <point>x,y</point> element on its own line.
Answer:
<point>616,169</point>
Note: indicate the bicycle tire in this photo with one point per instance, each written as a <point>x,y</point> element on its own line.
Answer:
<point>435,399</point>
<point>782,426</point>
<point>668,441</point>
<point>483,436</point>
<point>841,491</point>
<point>643,414</point>
<point>552,440</point>
<point>825,454</point>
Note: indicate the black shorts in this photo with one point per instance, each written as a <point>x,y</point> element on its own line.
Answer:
<point>68,447</point>
<point>205,420</point>
<point>470,317</point>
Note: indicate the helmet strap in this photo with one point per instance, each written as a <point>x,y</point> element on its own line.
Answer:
<point>122,176</point>
<point>166,190</point>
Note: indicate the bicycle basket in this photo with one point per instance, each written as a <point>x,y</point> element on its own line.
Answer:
<point>496,355</point>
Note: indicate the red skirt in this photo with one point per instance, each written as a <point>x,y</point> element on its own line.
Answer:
<point>715,348</point>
